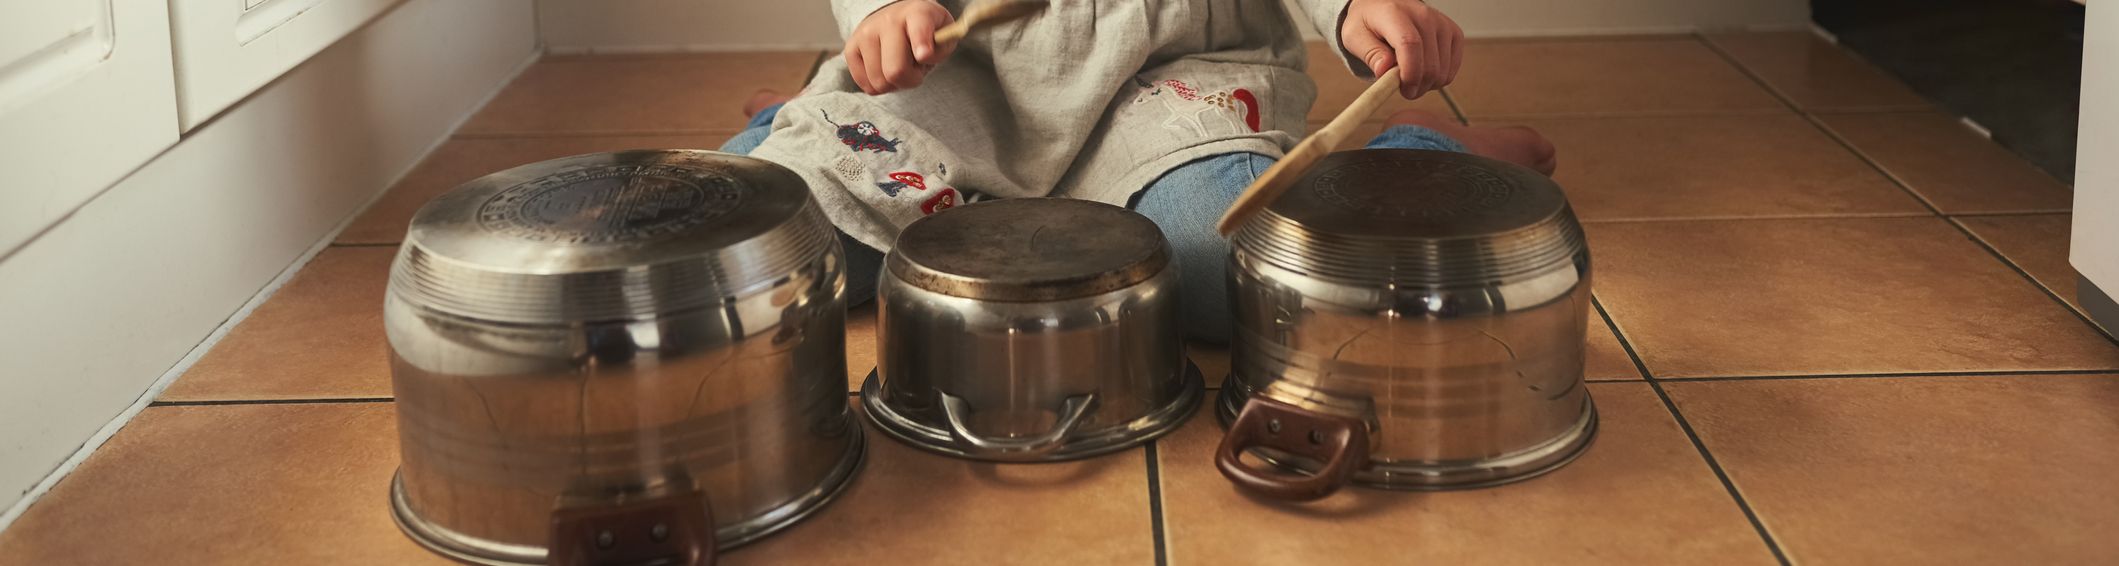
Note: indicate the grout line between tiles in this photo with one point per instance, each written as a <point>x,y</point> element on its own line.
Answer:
<point>1873,164</point>
<point>1155,505</point>
<point>1969,234</point>
<point>1820,125</point>
<point>1927,106</point>
<point>1765,535</point>
<point>1624,344</point>
<point>228,402</point>
<point>1686,426</point>
<point>1908,188</point>
<point>2026,275</point>
<point>1640,368</point>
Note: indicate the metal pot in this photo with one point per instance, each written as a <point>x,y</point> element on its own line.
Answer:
<point>1407,319</point>
<point>618,358</point>
<point>1030,330</point>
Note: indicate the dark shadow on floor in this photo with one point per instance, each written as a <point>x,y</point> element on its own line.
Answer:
<point>2013,66</point>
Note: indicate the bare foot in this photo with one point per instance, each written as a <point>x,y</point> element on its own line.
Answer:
<point>765,98</point>
<point>1518,145</point>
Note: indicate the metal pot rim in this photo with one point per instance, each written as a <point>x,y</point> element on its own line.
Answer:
<point>1029,250</point>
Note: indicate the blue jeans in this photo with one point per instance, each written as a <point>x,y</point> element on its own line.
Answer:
<point>1185,202</point>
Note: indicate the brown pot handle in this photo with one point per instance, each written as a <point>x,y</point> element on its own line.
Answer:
<point>1342,443</point>
<point>674,530</point>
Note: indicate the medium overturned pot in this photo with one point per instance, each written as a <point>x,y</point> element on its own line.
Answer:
<point>618,358</point>
<point>1030,330</point>
<point>1407,319</point>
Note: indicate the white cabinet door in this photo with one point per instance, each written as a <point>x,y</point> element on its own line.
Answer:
<point>2096,239</point>
<point>86,96</point>
<point>226,49</point>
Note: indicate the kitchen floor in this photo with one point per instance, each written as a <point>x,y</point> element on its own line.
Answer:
<point>1837,328</point>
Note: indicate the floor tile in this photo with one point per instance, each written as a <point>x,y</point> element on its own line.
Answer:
<point>248,484</point>
<point>1517,77</point>
<point>911,507</point>
<point>1839,296</point>
<point>1213,362</point>
<point>1640,495</point>
<point>1605,359</point>
<point>1713,167</point>
<point>1337,87</point>
<point>461,160</point>
<point>1958,170</point>
<point>636,94</point>
<point>2036,243</point>
<point>860,344</point>
<point>1983,470</point>
<point>319,337</point>
<point>1817,75</point>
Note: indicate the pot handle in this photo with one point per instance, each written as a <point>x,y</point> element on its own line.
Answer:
<point>1070,416</point>
<point>674,530</point>
<point>1342,443</point>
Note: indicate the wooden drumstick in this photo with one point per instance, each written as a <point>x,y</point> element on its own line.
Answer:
<point>1276,180</point>
<point>988,13</point>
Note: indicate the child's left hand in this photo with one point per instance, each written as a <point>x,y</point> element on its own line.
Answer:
<point>1407,36</point>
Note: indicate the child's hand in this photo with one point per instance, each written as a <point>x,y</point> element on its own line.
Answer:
<point>894,47</point>
<point>1420,43</point>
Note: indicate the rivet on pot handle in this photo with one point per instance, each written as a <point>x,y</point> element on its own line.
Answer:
<point>1070,416</point>
<point>1341,443</point>
<point>673,530</point>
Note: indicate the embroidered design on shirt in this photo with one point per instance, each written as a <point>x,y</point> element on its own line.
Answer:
<point>849,169</point>
<point>944,199</point>
<point>863,136</point>
<point>1189,109</point>
<point>899,180</point>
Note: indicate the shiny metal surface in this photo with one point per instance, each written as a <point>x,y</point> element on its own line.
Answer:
<point>600,330</point>
<point>1440,297</point>
<point>1031,250</point>
<point>1065,346</point>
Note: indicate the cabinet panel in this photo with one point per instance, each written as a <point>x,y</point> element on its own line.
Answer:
<point>2096,226</point>
<point>86,96</point>
<point>226,49</point>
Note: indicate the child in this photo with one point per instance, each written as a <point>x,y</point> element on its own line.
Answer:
<point>1171,107</point>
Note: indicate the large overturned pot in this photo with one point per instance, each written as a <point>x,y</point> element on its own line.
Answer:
<point>1407,319</point>
<point>618,357</point>
<point>1030,330</point>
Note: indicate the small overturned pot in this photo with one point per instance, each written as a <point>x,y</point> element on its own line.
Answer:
<point>631,357</point>
<point>1408,320</point>
<point>1030,330</point>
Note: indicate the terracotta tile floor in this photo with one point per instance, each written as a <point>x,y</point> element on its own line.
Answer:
<point>1833,327</point>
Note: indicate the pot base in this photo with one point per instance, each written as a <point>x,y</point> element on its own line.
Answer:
<point>1446,475</point>
<point>1091,443</point>
<point>487,552</point>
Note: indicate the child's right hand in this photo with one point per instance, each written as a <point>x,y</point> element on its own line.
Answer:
<point>894,48</point>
